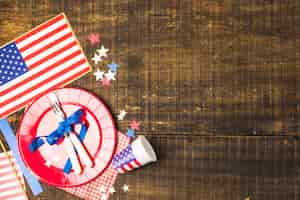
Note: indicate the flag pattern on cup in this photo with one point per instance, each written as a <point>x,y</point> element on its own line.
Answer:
<point>125,160</point>
<point>49,56</point>
<point>11,181</point>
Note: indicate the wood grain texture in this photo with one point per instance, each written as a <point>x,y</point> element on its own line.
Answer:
<point>215,85</point>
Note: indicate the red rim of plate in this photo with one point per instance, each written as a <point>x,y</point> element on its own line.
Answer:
<point>113,127</point>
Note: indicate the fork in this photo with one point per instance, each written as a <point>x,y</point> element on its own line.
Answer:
<point>72,141</point>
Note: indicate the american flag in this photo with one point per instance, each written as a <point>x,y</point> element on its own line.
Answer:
<point>125,160</point>
<point>11,185</point>
<point>47,57</point>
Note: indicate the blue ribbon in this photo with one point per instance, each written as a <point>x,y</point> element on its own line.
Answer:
<point>11,140</point>
<point>63,127</point>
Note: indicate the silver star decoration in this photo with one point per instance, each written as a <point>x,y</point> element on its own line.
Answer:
<point>99,74</point>
<point>125,188</point>
<point>102,52</point>
<point>110,75</point>
<point>122,114</point>
<point>112,190</point>
<point>96,59</point>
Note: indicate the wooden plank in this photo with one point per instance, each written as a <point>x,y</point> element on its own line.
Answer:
<point>217,168</point>
<point>188,67</point>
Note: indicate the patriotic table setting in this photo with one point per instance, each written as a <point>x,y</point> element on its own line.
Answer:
<point>67,137</point>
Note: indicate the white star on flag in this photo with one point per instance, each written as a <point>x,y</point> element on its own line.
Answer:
<point>102,52</point>
<point>99,74</point>
<point>110,75</point>
<point>96,59</point>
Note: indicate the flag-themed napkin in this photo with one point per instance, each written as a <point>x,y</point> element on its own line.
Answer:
<point>12,186</point>
<point>99,188</point>
<point>49,56</point>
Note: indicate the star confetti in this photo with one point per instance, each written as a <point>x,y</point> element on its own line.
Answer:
<point>110,75</point>
<point>112,190</point>
<point>135,125</point>
<point>96,59</point>
<point>47,163</point>
<point>104,197</point>
<point>113,67</point>
<point>99,74</point>
<point>125,188</point>
<point>130,133</point>
<point>102,189</point>
<point>122,115</point>
<point>102,52</point>
<point>105,82</point>
<point>94,38</point>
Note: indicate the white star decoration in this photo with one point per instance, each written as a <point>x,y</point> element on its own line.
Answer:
<point>96,59</point>
<point>122,114</point>
<point>125,188</point>
<point>102,189</point>
<point>112,190</point>
<point>102,52</point>
<point>104,197</point>
<point>99,74</point>
<point>47,163</point>
<point>110,75</point>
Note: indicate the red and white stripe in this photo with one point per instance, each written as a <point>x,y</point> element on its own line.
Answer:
<point>10,185</point>
<point>129,166</point>
<point>54,58</point>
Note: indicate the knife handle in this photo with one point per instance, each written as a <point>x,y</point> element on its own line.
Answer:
<point>82,152</point>
<point>73,157</point>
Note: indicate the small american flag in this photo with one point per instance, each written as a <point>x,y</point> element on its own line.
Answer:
<point>11,186</point>
<point>125,160</point>
<point>47,57</point>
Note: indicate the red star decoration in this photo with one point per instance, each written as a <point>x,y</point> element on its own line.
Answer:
<point>94,38</point>
<point>135,125</point>
<point>105,82</point>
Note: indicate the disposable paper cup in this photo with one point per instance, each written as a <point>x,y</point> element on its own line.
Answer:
<point>137,154</point>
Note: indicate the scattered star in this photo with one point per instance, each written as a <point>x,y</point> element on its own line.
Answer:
<point>47,163</point>
<point>122,114</point>
<point>110,75</point>
<point>125,188</point>
<point>99,74</point>
<point>112,190</point>
<point>103,51</point>
<point>102,189</point>
<point>105,82</point>
<point>94,38</point>
<point>113,67</point>
<point>135,125</point>
<point>104,196</point>
<point>96,59</point>
<point>130,133</point>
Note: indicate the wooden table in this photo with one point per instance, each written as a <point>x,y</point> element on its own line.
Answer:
<point>214,84</point>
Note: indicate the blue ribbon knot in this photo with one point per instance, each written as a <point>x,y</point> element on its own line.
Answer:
<point>63,127</point>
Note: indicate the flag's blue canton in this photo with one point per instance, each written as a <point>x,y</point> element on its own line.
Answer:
<point>125,157</point>
<point>12,64</point>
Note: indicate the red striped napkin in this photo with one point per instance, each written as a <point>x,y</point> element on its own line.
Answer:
<point>10,183</point>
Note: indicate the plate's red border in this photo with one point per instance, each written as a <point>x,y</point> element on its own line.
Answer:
<point>111,118</point>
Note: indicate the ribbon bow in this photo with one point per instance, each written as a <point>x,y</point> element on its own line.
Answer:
<point>63,127</point>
